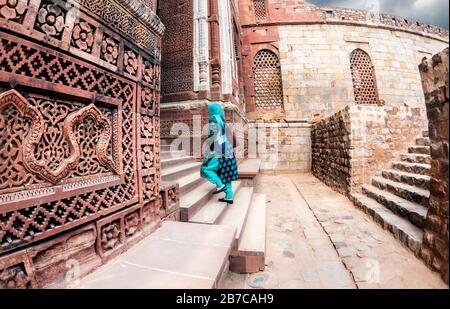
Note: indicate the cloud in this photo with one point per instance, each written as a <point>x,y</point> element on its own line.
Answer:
<point>435,12</point>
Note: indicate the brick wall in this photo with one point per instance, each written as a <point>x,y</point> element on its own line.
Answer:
<point>435,84</point>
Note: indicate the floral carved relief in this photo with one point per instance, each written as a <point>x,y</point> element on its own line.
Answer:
<point>13,9</point>
<point>109,50</point>
<point>130,62</point>
<point>51,19</point>
<point>147,74</point>
<point>83,36</point>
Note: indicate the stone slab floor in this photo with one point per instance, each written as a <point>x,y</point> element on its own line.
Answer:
<point>316,238</point>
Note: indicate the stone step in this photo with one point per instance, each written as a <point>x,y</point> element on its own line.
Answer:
<point>192,201</point>
<point>212,211</point>
<point>416,158</point>
<point>419,149</point>
<point>417,180</point>
<point>189,182</point>
<point>402,229</point>
<point>249,168</point>
<point>171,162</point>
<point>414,168</point>
<point>236,214</point>
<point>173,173</point>
<point>171,154</point>
<point>415,213</point>
<point>250,257</point>
<point>407,192</point>
<point>426,133</point>
<point>423,141</point>
<point>176,256</point>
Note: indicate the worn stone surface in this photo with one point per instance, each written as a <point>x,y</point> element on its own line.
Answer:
<point>316,238</point>
<point>434,74</point>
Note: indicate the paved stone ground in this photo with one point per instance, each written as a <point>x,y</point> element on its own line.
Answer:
<point>316,238</point>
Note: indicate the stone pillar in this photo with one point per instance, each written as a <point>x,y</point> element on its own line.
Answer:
<point>435,85</point>
<point>201,57</point>
<point>216,76</point>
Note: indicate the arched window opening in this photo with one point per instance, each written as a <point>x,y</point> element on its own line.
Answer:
<point>363,75</point>
<point>267,80</point>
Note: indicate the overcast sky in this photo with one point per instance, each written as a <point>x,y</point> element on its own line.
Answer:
<point>434,12</point>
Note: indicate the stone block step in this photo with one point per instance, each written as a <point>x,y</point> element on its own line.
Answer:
<point>169,259</point>
<point>423,141</point>
<point>410,193</point>
<point>419,149</point>
<point>417,180</point>
<point>171,154</point>
<point>192,201</point>
<point>416,158</point>
<point>250,257</point>
<point>189,182</point>
<point>413,212</point>
<point>173,173</point>
<point>236,214</point>
<point>213,210</point>
<point>414,168</point>
<point>402,229</point>
<point>249,168</point>
<point>171,162</point>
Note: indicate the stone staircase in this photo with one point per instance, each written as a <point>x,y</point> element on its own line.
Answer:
<point>198,205</point>
<point>398,198</point>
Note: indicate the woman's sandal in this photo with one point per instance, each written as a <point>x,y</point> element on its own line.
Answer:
<point>222,189</point>
<point>226,201</point>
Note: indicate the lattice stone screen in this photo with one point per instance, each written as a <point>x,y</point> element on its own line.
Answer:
<point>260,9</point>
<point>363,75</point>
<point>267,81</point>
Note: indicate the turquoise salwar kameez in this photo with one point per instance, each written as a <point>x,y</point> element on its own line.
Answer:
<point>219,166</point>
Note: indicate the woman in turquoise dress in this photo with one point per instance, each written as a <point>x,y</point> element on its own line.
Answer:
<point>219,166</point>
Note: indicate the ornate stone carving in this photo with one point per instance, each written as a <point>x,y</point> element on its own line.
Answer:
<point>110,236</point>
<point>109,50</point>
<point>13,9</point>
<point>132,223</point>
<point>130,62</point>
<point>147,74</point>
<point>50,19</point>
<point>83,36</point>
<point>40,167</point>
<point>147,157</point>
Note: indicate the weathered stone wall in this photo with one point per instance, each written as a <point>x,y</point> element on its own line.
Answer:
<point>282,147</point>
<point>379,136</point>
<point>435,85</point>
<point>331,151</point>
<point>351,146</point>
<point>315,63</point>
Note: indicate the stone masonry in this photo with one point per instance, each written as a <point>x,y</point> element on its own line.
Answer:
<point>434,73</point>
<point>331,151</point>
<point>351,146</point>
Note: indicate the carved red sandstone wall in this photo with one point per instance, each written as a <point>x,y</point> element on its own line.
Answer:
<point>79,134</point>
<point>177,68</point>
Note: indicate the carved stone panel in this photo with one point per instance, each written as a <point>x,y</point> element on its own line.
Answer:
<point>78,141</point>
